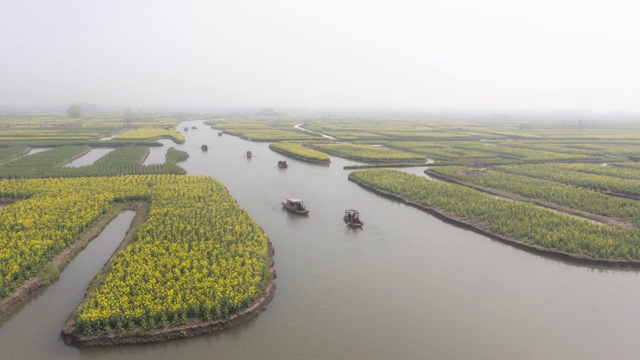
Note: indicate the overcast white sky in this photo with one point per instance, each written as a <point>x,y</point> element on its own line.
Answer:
<point>379,54</point>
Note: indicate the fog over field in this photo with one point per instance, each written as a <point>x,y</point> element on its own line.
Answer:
<point>525,55</point>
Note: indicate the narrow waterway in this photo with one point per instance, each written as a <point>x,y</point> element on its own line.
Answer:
<point>30,152</point>
<point>158,154</point>
<point>406,286</point>
<point>88,158</point>
<point>299,127</point>
<point>37,150</point>
<point>33,332</point>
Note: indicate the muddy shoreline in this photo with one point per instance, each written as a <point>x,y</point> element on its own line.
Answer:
<point>536,249</point>
<point>38,283</point>
<point>579,213</point>
<point>195,327</point>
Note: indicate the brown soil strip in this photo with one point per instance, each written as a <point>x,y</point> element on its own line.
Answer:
<point>504,194</point>
<point>624,196</point>
<point>536,249</point>
<point>194,327</point>
<point>58,263</point>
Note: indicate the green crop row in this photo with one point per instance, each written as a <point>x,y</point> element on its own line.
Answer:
<point>151,133</point>
<point>271,135</point>
<point>586,200</point>
<point>8,153</point>
<point>627,165</point>
<point>367,153</point>
<point>562,174</point>
<point>525,154</point>
<point>300,151</point>
<point>262,130</point>
<point>36,165</point>
<point>517,220</point>
<point>441,150</point>
<point>612,171</point>
<point>124,160</point>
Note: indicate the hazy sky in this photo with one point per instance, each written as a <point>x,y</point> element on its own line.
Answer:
<point>379,54</point>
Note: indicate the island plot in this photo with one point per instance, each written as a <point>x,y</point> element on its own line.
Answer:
<point>197,264</point>
<point>301,152</point>
<point>518,223</point>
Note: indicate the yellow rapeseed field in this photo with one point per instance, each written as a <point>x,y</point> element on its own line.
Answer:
<point>197,255</point>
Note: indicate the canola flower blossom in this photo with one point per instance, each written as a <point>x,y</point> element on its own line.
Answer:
<point>197,254</point>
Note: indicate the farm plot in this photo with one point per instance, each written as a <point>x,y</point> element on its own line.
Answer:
<point>198,255</point>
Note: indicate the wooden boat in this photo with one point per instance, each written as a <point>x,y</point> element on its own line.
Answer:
<point>283,164</point>
<point>220,133</point>
<point>204,147</point>
<point>186,128</point>
<point>295,205</point>
<point>194,127</point>
<point>249,154</point>
<point>352,218</point>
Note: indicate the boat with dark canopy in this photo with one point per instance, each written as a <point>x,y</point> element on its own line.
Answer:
<point>352,218</point>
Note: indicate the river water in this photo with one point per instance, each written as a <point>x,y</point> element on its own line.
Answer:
<point>157,154</point>
<point>30,152</point>
<point>89,158</point>
<point>407,286</point>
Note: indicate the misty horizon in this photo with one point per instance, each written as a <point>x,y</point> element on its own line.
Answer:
<point>462,56</point>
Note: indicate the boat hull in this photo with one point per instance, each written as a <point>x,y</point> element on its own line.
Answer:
<point>294,210</point>
<point>352,224</point>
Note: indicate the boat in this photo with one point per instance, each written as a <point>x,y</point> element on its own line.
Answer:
<point>249,154</point>
<point>295,205</point>
<point>220,133</point>
<point>194,127</point>
<point>204,147</point>
<point>352,218</point>
<point>283,164</point>
<point>186,128</point>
